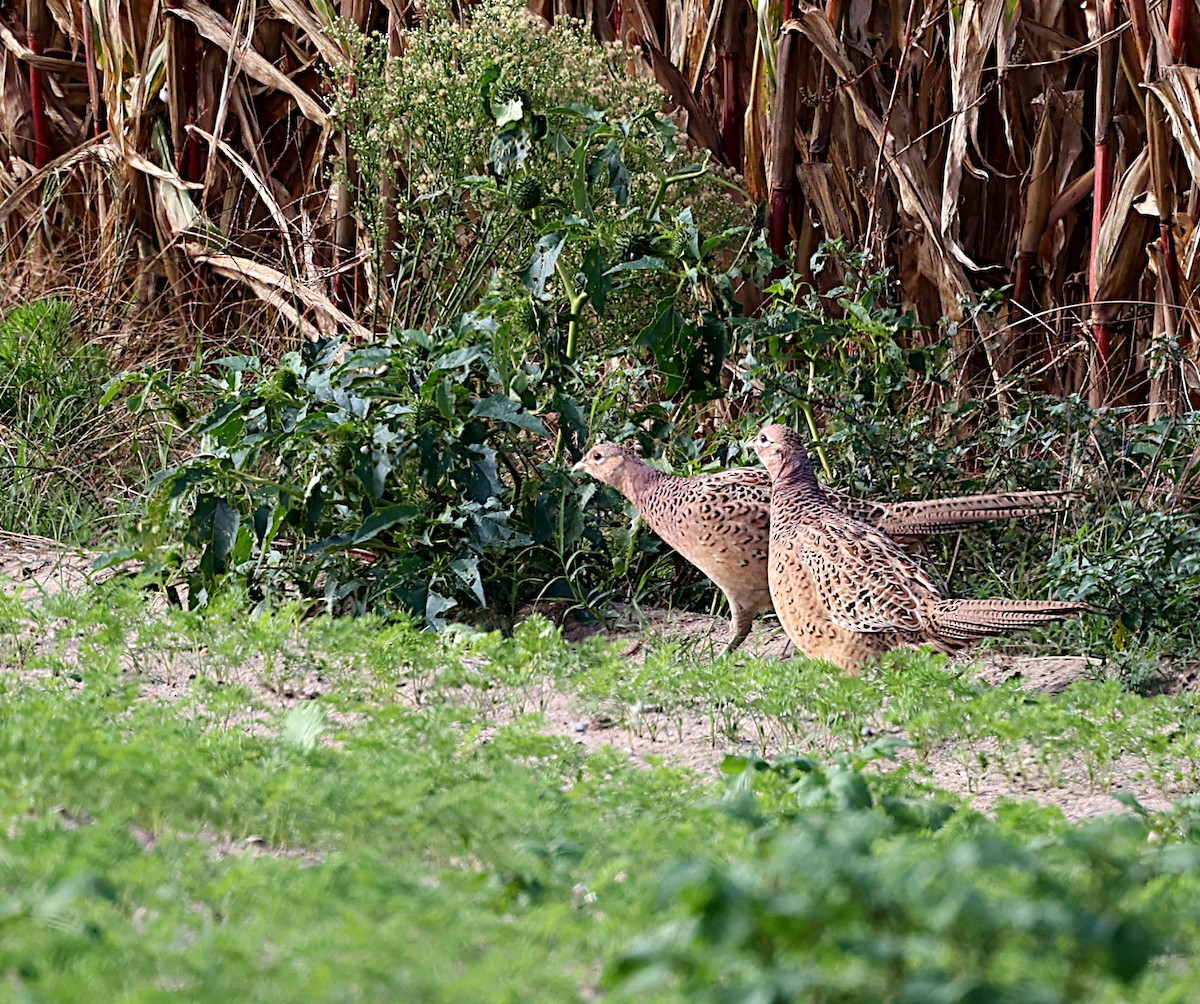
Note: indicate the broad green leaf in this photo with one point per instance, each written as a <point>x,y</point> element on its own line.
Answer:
<point>489,76</point>
<point>596,282</point>
<point>508,111</point>
<point>373,525</point>
<point>503,408</point>
<point>647,263</point>
<point>610,163</point>
<point>214,527</point>
<point>541,266</point>
<point>850,789</point>
<point>579,181</point>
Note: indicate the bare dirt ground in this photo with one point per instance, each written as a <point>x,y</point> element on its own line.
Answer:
<point>1069,788</point>
<point>32,564</point>
<point>38,564</point>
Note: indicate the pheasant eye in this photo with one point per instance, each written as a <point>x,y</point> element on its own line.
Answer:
<point>596,456</point>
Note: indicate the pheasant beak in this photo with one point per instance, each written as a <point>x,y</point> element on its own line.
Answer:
<point>578,468</point>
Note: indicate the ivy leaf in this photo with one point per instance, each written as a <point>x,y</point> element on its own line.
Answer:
<point>373,468</point>
<point>435,605</point>
<point>467,569</point>
<point>511,147</point>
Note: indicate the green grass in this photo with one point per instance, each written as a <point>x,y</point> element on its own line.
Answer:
<point>176,827</point>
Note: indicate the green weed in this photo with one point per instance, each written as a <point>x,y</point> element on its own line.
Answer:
<point>184,816</point>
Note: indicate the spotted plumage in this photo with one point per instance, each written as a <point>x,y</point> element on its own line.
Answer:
<point>721,522</point>
<point>846,592</point>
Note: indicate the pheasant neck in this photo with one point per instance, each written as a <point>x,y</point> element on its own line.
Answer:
<point>795,481</point>
<point>636,480</point>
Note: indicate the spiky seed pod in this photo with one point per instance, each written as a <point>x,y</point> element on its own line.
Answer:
<point>525,317</point>
<point>424,414</point>
<point>525,194</point>
<point>679,243</point>
<point>288,382</point>
<point>632,242</point>
<point>509,91</point>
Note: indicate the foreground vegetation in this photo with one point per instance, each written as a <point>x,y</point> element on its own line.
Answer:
<point>273,808</point>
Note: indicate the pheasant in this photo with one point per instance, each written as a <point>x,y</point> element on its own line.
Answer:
<point>846,592</point>
<point>721,522</point>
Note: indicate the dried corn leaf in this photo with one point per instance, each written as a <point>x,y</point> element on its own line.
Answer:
<point>979,28</point>
<point>276,287</point>
<point>1120,248</point>
<point>217,30</point>
<point>1179,91</point>
<point>98,149</point>
<point>909,172</point>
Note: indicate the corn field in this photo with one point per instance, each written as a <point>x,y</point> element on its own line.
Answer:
<point>175,165</point>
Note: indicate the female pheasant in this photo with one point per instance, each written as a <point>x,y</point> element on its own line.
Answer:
<point>846,592</point>
<point>721,522</point>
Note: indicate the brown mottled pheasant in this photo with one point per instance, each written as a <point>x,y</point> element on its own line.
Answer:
<point>846,592</point>
<point>721,522</point>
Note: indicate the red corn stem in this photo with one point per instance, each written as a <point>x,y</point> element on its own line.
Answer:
<point>1101,194</point>
<point>1177,27</point>
<point>1139,16</point>
<point>37,97</point>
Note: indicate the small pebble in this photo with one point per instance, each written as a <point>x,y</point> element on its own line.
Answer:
<point>579,726</point>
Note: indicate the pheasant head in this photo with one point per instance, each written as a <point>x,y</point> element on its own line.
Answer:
<point>615,464</point>
<point>781,450</point>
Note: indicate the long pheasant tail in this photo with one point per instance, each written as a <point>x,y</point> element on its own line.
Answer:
<point>966,620</point>
<point>945,515</point>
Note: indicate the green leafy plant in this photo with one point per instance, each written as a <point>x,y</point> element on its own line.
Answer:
<point>850,897</point>
<point>350,475</point>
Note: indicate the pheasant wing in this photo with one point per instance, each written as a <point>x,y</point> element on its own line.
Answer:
<point>866,582</point>
<point>862,509</point>
<point>754,479</point>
